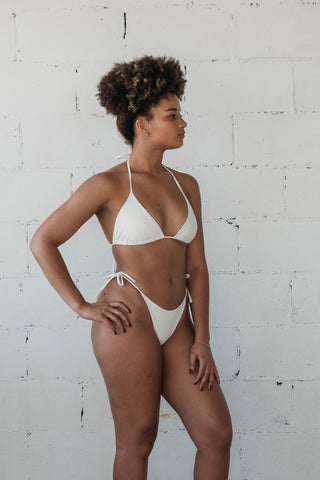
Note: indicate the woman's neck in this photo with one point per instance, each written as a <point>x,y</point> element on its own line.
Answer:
<point>147,160</point>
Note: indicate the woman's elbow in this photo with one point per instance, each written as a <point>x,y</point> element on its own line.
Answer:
<point>199,266</point>
<point>37,242</point>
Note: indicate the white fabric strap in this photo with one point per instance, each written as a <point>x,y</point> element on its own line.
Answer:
<point>124,155</point>
<point>118,157</point>
<point>178,184</point>
<point>129,171</point>
<point>189,295</point>
<point>120,276</point>
<point>114,265</point>
<point>187,275</point>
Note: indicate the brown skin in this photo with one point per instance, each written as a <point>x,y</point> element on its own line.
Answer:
<point>136,369</point>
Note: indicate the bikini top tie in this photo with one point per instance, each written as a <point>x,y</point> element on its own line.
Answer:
<point>135,226</point>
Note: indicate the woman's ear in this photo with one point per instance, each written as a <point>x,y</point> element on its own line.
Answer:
<point>140,126</point>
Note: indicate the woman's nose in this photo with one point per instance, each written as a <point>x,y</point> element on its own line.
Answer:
<point>183,123</point>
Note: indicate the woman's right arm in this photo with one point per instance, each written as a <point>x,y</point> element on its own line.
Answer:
<point>90,197</point>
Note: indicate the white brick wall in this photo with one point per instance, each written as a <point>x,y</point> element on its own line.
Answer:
<point>252,105</point>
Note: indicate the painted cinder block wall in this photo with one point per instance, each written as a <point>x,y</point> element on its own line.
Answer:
<point>252,105</point>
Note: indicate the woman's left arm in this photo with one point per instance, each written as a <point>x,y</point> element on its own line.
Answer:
<point>201,358</point>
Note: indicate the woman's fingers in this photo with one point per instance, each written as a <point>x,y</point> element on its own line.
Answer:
<point>113,314</point>
<point>120,309</point>
<point>115,319</point>
<point>216,374</point>
<point>120,304</point>
<point>201,371</point>
<point>119,312</point>
<point>192,364</point>
<point>205,377</point>
<point>211,379</point>
<point>206,373</point>
<point>109,324</point>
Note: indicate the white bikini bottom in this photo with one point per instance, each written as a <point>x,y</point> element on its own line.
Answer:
<point>164,321</point>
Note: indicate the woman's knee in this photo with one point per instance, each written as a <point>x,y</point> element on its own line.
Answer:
<point>225,436</point>
<point>138,440</point>
<point>215,435</point>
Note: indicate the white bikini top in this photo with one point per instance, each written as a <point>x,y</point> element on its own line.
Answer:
<point>135,226</point>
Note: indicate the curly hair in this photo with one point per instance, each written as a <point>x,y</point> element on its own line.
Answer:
<point>131,88</point>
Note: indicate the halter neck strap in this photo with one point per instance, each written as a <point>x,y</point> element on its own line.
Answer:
<point>129,172</point>
<point>178,184</point>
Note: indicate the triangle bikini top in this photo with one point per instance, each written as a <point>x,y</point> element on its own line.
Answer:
<point>135,226</point>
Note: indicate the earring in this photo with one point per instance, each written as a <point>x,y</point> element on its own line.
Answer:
<point>147,134</point>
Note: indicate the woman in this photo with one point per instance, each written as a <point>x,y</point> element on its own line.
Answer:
<point>143,338</point>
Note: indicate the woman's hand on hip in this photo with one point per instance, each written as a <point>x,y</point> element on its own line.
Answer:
<point>112,314</point>
<point>201,356</point>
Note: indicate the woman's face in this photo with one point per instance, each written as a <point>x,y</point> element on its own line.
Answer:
<point>166,129</point>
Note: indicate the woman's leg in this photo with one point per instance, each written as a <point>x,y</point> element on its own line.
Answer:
<point>131,364</point>
<point>204,413</point>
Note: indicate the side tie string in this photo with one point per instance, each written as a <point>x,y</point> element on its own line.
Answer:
<point>187,275</point>
<point>120,276</point>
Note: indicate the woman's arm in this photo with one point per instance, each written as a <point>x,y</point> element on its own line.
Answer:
<point>196,266</point>
<point>88,199</point>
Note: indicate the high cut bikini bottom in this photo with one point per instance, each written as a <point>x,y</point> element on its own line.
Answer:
<point>164,321</point>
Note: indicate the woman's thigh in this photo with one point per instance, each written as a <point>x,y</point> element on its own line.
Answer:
<point>130,363</point>
<point>204,413</point>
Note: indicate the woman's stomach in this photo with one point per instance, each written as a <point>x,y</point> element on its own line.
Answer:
<point>157,267</point>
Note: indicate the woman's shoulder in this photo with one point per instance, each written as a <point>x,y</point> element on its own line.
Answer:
<point>187,181</point>
<point>101,188</point>
<point>110,179</point>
